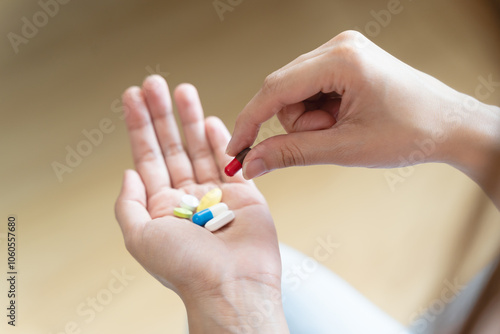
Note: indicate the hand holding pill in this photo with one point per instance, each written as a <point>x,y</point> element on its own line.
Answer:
<point>351,103</point>
<point>189,224</point>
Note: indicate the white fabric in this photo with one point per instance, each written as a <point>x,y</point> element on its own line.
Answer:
<point>450,318</point>
<point>317,301</point>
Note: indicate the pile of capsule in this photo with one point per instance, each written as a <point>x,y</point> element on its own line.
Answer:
<point>210,212</point>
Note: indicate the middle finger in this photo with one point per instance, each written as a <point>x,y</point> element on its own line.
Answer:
<point>193,123</point>
<point>160,106</point>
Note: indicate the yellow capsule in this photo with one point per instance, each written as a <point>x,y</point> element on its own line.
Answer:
<point>211,198</point>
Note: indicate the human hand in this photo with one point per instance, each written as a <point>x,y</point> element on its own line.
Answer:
<point>219,275</point>
<point>351,103</point>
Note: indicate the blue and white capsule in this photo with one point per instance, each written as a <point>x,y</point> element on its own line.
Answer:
<point>204,216</point>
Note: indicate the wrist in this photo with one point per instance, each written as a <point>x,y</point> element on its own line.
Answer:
<point>243,306</point>
<point>473,145</point>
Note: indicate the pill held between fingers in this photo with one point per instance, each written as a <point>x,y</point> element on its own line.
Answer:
<point>235,165</point>
<point>221,220</point>
<point>203,216</point>
<point>183,213</point>
<point>211,198</point>
<point>189,202</point>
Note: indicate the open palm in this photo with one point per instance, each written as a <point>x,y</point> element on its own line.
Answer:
<point>184,256</point>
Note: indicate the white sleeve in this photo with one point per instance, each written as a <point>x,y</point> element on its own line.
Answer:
<point>318,301</point>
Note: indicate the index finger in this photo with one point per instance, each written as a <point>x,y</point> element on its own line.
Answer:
<point>283,87</point>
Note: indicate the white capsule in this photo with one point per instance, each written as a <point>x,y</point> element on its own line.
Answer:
<point>203,216</point>
<point>189,202</point>
<point>219,221</point>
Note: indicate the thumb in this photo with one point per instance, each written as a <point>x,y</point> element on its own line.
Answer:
<point>293,149</point>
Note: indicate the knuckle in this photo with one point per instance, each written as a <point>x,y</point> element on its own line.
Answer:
<point>172,149</point>
<point>345,50</point>
<point>146,157</point>
<point>272,82</point>
<point>349,36</point>
<point>303,57</point>
<point>347,45</point>
<point>203,153</point>
<point>291,155</point>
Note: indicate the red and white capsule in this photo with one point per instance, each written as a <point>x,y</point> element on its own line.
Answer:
<point>235,165</point>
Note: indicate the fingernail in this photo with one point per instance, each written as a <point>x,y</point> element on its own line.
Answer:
<point>254,168</point>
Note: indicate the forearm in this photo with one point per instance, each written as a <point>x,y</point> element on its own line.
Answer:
<point>242,307</point>
<point>474,145</point>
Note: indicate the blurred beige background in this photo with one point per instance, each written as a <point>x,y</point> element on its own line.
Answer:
<point>396,247</point>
